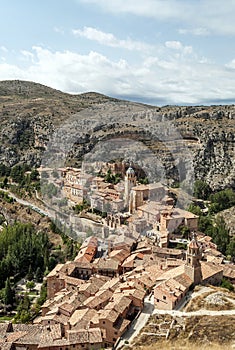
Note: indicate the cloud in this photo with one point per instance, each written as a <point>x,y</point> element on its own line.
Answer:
<point>58,30</point>
<point>163,78</point>
<point>195,31</point>
<point>108,39</point>
<point>231,64</point>
<point>27,54</point>
<point>176,45</point>
<point>198,17</point>
<point>150,8</point>
<point>4,49</point>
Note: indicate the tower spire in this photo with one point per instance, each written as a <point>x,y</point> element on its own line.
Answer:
<point>193,257</point>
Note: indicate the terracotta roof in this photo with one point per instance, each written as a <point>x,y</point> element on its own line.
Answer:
<point>73,281</point>
<point>90,241</point>
<point>82,317</point>
<point>89,287</point>
<point>112,284</point>
<point>176,271</point>
<point>170,251</point>
<point>120,303</point>
<point>119,255</point>
<point>13,336</point>
<point>68,268</point>
<point>129,261</point>
<point>41,335</point>
<point>56,269</point>
<point>95,335</point>
<point>123,325</point>
<point>209,269</point>
<point>98,299</point>
<point>171,287</point>
<point>107,264</point>
<point>78,336</point>
<point>136,293</point>
<point>67,307</point>
<point>229,271</point>
<point>184,280</point>
<point>110,315</point>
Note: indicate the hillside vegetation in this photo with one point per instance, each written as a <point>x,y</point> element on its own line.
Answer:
<point>30,112</point>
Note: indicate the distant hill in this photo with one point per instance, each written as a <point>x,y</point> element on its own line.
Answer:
<point>30,112</point>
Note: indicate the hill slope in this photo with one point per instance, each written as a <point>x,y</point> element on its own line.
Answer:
<point>30,112</point>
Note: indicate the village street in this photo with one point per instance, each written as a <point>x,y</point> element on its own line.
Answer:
<point>138,323</point>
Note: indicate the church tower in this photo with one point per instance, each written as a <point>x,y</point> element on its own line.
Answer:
<point>193,257</point>
<point>130,181</point>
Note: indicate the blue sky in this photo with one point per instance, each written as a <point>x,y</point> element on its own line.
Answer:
<point>153,51</point>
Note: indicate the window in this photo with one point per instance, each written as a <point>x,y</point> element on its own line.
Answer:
<point>164,297</point>
<point>103,322</point>
<point>157,300</point>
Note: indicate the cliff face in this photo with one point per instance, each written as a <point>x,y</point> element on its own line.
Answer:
<point>31,112</point>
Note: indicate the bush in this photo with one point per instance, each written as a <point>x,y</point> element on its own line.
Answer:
<point>227,284</point>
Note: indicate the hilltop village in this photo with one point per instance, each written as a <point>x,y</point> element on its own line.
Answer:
<point>92,300</point>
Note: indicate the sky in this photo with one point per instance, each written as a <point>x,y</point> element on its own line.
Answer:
<point>153,51</point>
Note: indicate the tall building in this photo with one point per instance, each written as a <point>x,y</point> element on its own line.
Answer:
<point>130,181</point>
<point>193,257</point>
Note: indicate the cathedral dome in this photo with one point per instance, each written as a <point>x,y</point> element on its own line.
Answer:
<point>130,171</point>
<point>194,243</point>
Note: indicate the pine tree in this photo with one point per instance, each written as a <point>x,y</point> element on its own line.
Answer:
<point>30,273</point>
<point>39,275</point>
<point>9,293</point>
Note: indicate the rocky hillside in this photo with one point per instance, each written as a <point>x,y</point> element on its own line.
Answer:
<point>31,112</point>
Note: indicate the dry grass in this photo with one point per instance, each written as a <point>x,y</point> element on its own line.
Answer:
<point>194,333</point>
<point>199,302</point>
<point>181,346</point>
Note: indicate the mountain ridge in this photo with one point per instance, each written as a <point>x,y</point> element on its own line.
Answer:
<point>30,112</point>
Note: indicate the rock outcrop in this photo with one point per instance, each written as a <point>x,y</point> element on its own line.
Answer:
<point>30,113</point>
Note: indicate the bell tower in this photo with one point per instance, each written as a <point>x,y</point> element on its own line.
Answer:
<point>193,257</point>
<point>130,181</point>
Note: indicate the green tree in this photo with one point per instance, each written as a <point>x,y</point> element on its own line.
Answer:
<point>220,234</point>
<point>34,176</point>
<point>5,182</point>
<point>231,248</point>
<point>30,285</point>
<point>195,209</point>
<point>222,200</point>
<point>39,275</point>
<point>30,273</point>
<point>227,284</point>
<point>23,311</point>
<point>201,189</point>
<point>9,293</point>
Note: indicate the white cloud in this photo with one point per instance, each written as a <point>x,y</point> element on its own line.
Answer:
<point>199,17</point>
<point>109,39</point>
<point>166,77</point>
<point>4,49</point>
<point>176,45</point>
<point>27,54</point>
<point>231,64</point>
<point>58,30</point>
<point>150,8</point>
<point>195,31</point>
